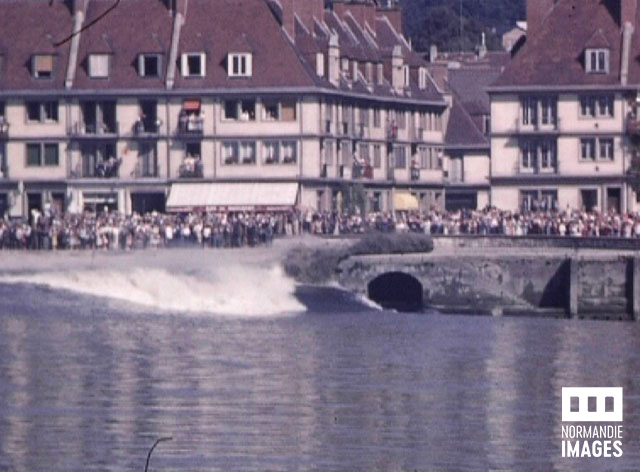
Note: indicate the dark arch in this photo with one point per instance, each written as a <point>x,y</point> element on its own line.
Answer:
<point>396,290</point>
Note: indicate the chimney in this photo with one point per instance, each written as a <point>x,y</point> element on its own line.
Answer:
<point>433,53</point>
<point>333,60</point>
<point>397,69</point>
<point>537,10</point>
<point>393,14</point>
<point>305,10</point>
<point>628,10</point>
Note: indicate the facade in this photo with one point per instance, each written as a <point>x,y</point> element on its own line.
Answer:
<point>214,104</point>
<point>560,112</point>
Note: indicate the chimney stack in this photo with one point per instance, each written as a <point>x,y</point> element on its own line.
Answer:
<point>305,10</point>
<point>397,69</point>
<point>628,10</point>
<point>333,60</point>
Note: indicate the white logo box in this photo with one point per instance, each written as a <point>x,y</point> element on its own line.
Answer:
<point>583,394</point>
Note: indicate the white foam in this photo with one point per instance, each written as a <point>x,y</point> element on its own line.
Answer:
<point>229,290</point>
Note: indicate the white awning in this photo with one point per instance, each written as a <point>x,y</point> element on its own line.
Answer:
<point>232,196</point>
<point>405,201</point>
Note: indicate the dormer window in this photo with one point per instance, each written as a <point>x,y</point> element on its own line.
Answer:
<point>42,66</point>
<point>597,61</point>
<point>240,65</point>
<point>193,64</point>
<point>98,66</point>
<point>149,65</point>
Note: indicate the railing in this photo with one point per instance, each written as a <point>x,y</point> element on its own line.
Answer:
<point>140,128</point>
<point>392,132</point>
<point>191,168</point>
<point>94,129</point>
<point>416,135</point>
<point>191,125</point>
<point>106,169</point>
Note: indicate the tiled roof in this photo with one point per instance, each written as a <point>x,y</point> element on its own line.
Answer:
<point>470,85</point>
<point>461,130</point>
<point>554,55</point>
<point>32,27</point>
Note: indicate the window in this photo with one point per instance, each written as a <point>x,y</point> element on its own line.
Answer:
<point>242,110</point>
<point>42,111</point>
<point>422,78</point>
<point>289,152</point>
<point>588,149</point>
<point>248,152</point>
<point>407,75</point>
<point>547,111</point>
<point>98,66</point>
<point>548,156</point>
<point>592,106</point>
<point>529,156</point>
<point>274,110</point>
<point>364,154</point>
<point>149,65</point>
<point>377,120</point>
<point>230,153</point>
<point>606,149</point>
<point>529,111</point>
<point>400,155</point>
<point>193,64</point>
<point>401,119</point>
<point>597,61</point>
<point>239,65</point>
<point>42,66</point>
<point>39,154</point>
<point>368,70</point>
<point>377,156</point>
<point>271,152</point>
<point>425,157</point>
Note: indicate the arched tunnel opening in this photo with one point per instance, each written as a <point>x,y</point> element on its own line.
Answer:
<point>396,290</point>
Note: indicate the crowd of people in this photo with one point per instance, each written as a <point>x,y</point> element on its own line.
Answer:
<point>112,230</point>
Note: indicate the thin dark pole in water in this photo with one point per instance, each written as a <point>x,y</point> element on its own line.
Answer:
<point>146,467</point>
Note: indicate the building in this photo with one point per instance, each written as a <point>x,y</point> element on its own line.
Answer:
<point>560,111</point>
<point>178,104</point>
<point>514,36</point>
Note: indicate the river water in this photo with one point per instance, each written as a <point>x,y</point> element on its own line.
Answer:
<point>87,383</point>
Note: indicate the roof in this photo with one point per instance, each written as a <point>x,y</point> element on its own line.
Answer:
<point>461,130</point>
<point>554,55</point>
<point>470,86</point>
<point>28,28</point>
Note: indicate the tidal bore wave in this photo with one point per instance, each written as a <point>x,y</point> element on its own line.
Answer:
<point>230,290</point>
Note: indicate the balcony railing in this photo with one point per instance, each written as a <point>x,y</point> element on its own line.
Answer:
<point>94,129</point>
<point>416,135</point>
<point>146,128</point>
<point>146,167</point>
<point>191,125</point>
<point>4,127</point>
<point>191,168</point>
<point>105,169</point>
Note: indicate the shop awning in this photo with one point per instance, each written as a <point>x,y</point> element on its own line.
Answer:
<point>191,105</point>
<point>405,201</point>
<point>232,196</point>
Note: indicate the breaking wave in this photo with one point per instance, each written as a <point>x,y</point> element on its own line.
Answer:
<point>230,290</point>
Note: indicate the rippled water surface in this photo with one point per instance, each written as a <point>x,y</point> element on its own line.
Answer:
<point>87,384</point>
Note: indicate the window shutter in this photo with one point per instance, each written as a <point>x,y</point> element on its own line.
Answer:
<point>249,70</point>
<point>203,64</point>
<point>184,65</point>
<point>141,72</point>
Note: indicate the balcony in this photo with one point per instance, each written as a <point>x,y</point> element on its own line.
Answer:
<point>142,128</point>
<point>191,168</point>
<point>81,129</point>
<point>392,132</point>
<point>191,125</point>
<point>362,171</point>
<point>416,135</point>
<point>146,167</point>
<point>103,169</point>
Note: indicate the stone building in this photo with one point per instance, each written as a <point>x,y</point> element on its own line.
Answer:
<point>175,104</point>
<point>561,112</point>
